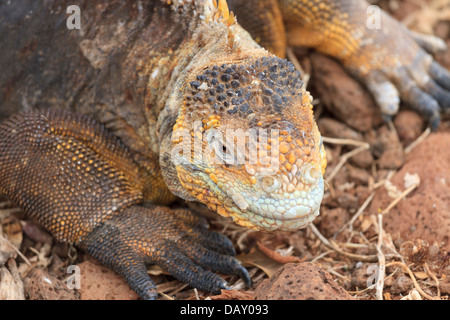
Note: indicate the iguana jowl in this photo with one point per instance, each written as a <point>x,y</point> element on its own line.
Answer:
<point>150,72</point>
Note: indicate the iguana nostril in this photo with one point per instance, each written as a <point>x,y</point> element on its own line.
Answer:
<point>269,184</point>
<point>311,175</point>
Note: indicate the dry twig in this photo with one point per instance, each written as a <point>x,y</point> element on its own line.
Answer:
<point>413,278</point>
<point>357,214</point>
<point>344,159</point>
<point>332,245</point>
<point>381,260</point>
<point>416,142</point>
<point>400,197</point>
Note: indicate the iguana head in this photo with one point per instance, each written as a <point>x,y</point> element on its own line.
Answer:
<point>246,144</point>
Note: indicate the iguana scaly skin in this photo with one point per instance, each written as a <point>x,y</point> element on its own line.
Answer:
<point>162,98</point>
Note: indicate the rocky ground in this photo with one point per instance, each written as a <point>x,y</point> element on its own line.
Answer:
<point>387,207</point>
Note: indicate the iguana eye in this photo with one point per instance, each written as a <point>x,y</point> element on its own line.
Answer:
<point>221,150</point>
<point>229,158</point>
<point>228,155</point>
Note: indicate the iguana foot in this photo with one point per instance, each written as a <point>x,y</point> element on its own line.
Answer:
<point>390,59</point>
<point>416,79</point>
<point>176,240</point>
<point>393,62</point>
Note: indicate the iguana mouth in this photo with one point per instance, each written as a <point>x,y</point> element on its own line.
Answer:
<point>291,211</point>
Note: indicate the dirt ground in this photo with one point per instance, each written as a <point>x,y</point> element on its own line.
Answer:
<point>383,231</point>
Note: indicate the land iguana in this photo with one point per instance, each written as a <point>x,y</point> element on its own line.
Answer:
<point>104,121</point>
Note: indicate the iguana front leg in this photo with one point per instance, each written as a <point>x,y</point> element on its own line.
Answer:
<point>85,187</point>
<point>383,53</point>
